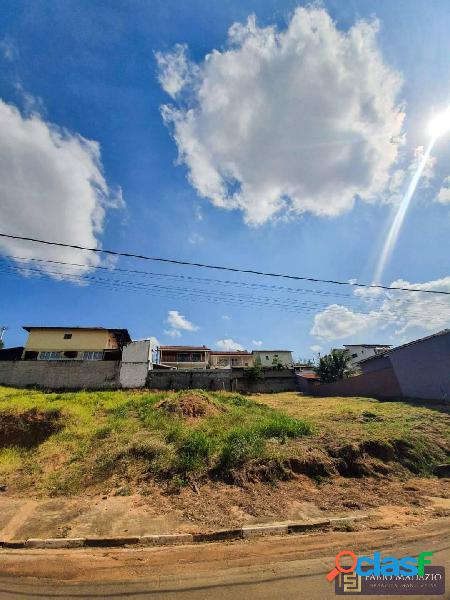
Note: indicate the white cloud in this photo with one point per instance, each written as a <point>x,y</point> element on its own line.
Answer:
<point>401,177</point>
<point>195,238</point>
<point>257,343</point>
<point>8,48</point>
<point>226,318</point>
<point>315,348</point>
<point>444,193</point>
<point>404,313</point>
<point>178,323</point>
<point>228,344</point>
<point>281,122</point>
<point>337,321</point>
<point>52,187</point>
<point>172,332</point>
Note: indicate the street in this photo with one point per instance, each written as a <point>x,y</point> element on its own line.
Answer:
<point>285,567</point>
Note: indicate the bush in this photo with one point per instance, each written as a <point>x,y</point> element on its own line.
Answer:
<point>240,446</point>
<point>194,452</point>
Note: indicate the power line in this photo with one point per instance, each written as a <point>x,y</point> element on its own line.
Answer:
<point>220,268</point>
<point>202,280</point>
<point>194,294</point>
<point>189,278</point>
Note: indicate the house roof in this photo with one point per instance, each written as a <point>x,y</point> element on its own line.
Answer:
<point>367,345</point>
<point>428,337</point>
<point>256,351</point>
<point>184,348</point>
<point>309,375</point>
<point>122,335</point>
<point>228,352</point>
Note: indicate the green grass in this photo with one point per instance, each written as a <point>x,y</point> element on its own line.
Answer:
<point>124,436</point>
<point>113,439</point>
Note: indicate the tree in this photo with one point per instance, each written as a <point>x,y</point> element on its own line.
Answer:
<point>335,366</point>
<point>276,363</point>
<point>1,344</point>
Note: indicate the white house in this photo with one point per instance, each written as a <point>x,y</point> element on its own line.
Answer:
<point>359,352</point>
<point>269,358</point>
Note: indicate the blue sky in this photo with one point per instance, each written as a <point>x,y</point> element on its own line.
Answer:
<point>266,176</point>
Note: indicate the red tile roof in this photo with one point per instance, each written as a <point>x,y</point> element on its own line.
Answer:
<point>228,352</point>
<point>183,348</point>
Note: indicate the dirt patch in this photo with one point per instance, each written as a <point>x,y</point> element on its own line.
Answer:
<point>314,464</point>
<point>190,405</point>
<point>258,470</point>
<point>28,429</point>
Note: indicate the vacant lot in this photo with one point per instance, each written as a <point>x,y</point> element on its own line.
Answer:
<point>218,456</point>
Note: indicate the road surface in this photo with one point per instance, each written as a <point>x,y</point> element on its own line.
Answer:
<point>277,567</point>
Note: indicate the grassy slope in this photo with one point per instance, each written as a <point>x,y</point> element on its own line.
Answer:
<point>119,438</point>
<point>126,436</point>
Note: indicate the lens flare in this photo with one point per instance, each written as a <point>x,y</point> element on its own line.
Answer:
<point>397,223</point>
<point>440,124</point>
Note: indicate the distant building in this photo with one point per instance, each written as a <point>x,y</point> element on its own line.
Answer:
<point>305,368</point>
<point>184,357</point>
<point>269,357</point>
<point>74,343</point>
<point>359,352</point>
<point>228,359</point>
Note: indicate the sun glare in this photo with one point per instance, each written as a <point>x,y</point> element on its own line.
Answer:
<point>440,124</point>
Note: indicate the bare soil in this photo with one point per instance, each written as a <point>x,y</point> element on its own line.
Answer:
<point>190,405</point>
<point>27,429</point>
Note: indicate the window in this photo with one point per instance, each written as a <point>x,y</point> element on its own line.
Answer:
<point>67,336</point>
<point>70,354</point>
<point>267,357</point>
<point>354,356</point>
<point>93,355</point>
<point>49,355</point>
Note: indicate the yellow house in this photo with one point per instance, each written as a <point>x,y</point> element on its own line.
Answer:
<point>74,343</point>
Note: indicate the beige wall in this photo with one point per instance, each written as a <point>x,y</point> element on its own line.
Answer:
<point>53,339</point>
<point>185,365</point>
<point>227,361</point>
<point>267,357</point>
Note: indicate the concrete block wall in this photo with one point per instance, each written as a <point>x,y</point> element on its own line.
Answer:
<point>61,374</point>
<point>230,380</point>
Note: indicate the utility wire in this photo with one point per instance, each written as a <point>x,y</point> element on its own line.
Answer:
<point>220,268</point>
<point>194,294</point>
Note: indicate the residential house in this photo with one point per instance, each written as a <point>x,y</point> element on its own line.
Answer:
<point>219,359</point>
<point>359,352</point>
<point>74,343</point>
<point>184,357</point>
<point>269,358</point>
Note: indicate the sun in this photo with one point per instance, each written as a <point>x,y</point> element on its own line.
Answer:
<point>440,124</point>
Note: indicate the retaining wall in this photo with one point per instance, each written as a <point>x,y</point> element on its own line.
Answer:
<point>61,374</point>
<point>230,380</point>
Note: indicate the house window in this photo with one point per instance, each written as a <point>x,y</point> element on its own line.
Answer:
<point>93,355</point>
<point>70,354</point>
<point>67,336</point>
<point>49,355</point>
<point>267,358</point>
<point>354,356</point>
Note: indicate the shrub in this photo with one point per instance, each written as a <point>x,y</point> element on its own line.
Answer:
<point>194,452</point>
<point>240,446</point>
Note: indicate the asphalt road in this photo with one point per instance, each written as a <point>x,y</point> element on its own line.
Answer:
<point>279,567</point>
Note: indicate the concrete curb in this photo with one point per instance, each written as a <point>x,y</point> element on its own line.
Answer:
<point>247,532</point>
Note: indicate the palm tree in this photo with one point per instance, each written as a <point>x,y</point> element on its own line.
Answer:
<point>335,366</point>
